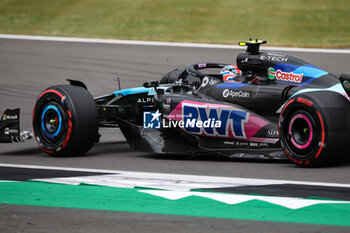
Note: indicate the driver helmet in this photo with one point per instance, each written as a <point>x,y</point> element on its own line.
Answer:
<point>230,72</point>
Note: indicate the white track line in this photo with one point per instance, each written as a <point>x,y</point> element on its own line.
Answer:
<point>173,179</point>
<point>232,199</point>
<point>167,44</point>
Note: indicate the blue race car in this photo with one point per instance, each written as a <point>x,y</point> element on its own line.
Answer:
<point>269,106</point>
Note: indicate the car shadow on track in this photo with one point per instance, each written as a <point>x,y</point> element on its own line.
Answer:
<point>102,149</point>
<point>26,151</point>
<point>211,158</point>
<point>216,158</point>
<point>122,147</point>
<point>97,149</point>
<point>113,147</point>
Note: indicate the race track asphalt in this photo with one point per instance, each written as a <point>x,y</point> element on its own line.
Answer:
<point>28,67</point>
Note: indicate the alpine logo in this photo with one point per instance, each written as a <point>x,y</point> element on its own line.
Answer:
<point>284,76</point>
<point>145,100</point>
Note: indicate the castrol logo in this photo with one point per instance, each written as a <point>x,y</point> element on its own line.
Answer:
<point>284,76</point>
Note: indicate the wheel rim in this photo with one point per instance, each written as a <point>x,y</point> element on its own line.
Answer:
<point>51,124</point>
<point>51,121</point>
<point>300,134</point>
<point>300,131</point>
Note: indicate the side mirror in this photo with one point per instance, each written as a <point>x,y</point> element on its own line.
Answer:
<point>153,83</point>
<point>345,82</point>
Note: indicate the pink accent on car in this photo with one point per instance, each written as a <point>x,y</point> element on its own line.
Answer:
<point>310,127</point>
<point>251,126</point>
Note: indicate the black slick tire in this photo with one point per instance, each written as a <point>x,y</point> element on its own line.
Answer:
<point>65,120</point>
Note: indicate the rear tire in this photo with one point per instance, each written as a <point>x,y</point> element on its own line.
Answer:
<point>314,129</point>
<point>65,120</point>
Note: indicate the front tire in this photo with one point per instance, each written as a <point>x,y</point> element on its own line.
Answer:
<point>65,120</point>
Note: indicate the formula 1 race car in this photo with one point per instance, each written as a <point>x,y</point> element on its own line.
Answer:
<point>278,107</point>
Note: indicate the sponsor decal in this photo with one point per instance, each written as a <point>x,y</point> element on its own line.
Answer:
<point>271,73</point>
<point>235,123</point>
<point>151,120</point>
<point>205,81</point>
<point>203,65</point>
<point>166,106</point>
<point>244,144</point>
<point>221,122</point>
<point>236,143</point>
<point>145,100</point>
<point>272,133</point>
<point>211,82</point>
<point>276,54</point>
<point>274,57</point>
<point>9,117</point>
<point>263,144</point>
<point>168,101</point>
<point>245,60</point>
<point>212,123</point>
<point>284,76</point>
<point>346,85</point>
<point>229,143</point>
<point>10,131</point>
<point>235,94</point>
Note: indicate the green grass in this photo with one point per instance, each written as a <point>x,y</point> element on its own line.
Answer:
<point>302,23</point>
